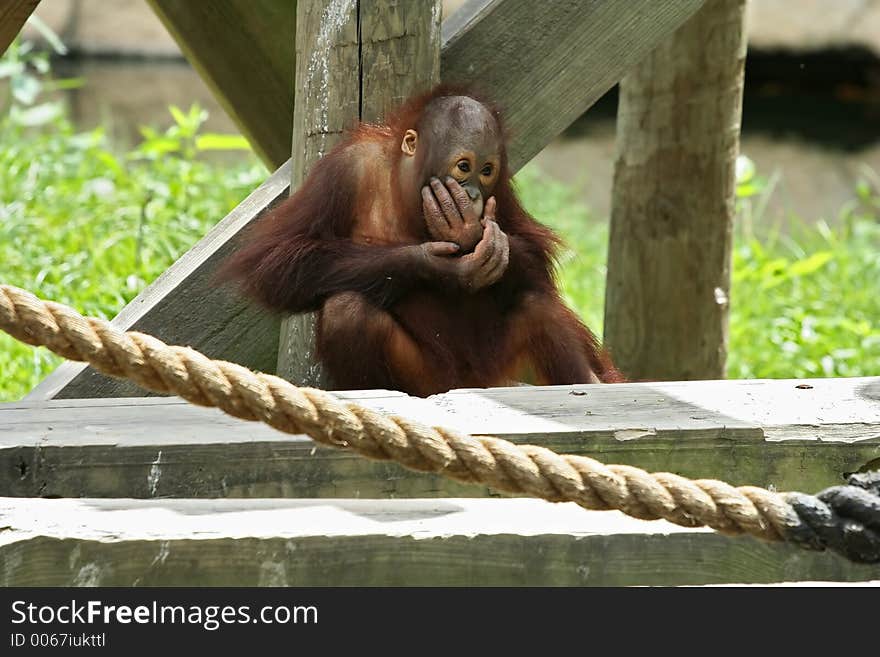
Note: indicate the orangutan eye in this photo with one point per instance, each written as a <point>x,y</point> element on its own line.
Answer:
<point>464,166</point>
<point>487,170</point>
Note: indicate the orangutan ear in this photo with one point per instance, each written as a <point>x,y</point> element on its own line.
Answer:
<point>408,145</point>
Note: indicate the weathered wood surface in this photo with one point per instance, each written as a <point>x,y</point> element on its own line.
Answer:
<point>328,98</point>
<point>184,306</point>
<point>243,49</point>
<point>13,14</point>
<point>400,53</point>
<point>668,289</point>
<point>546,63</point>
<point>764,433</point>
<point>392,542</point>
<point>355,61</point>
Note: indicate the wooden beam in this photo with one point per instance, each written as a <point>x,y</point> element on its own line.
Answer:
<point>667,300</point>
<point>243,49</point>
<point>13,15</point>
<point>184,306</point>
<point>764,433</point>
<point>446,542</point>
<point>356,62</point>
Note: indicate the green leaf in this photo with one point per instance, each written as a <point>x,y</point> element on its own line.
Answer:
<point>196,114</point>
<point>37,115</point>
<point>25,88</point>
<point>179,117</point>
<point>212,141</point>
<point>160,146</point>
<point>65,83</point>
<point>775,267</point>
<point>109,161</point>
<point>9,69</point>
<point>148,132</point>
<point>48,34</point>
<point>747,190</point>
<point>809,265</point>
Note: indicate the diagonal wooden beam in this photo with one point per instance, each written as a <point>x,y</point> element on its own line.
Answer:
<point>13,14</point>
<point>546,63</point>
<point>184,306</point>
<point>243,49</point>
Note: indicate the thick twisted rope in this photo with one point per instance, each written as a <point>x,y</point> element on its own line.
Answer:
<point>844,518</point>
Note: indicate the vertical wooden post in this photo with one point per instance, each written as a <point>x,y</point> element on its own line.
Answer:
<point>400,53</point>
<point>326,101</point>
<point>355,59</point>
<point>666,307</point>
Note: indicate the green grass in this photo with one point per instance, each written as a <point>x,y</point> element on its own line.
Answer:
<point>807,303</point>
<point>803,304</point>
<point>581,273</point>
<point>85,225</point>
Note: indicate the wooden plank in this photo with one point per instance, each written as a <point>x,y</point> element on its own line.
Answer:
<point>393,542</point>
<point>355,62</point>
<point>243,49</point>
<point>765,433</point>
<point>184,306</point>
<point>13,15</point>
<point>678,121</point>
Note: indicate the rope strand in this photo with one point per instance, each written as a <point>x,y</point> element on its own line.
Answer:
<point>845,519</point>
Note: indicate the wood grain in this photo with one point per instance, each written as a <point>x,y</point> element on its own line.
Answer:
<point>764,433</point>
<point>668,289</point>
<point>392,542</point>
<point>355,62</point>
<point>400,53</point>
<point>546,63</point>
<point>327,102</point>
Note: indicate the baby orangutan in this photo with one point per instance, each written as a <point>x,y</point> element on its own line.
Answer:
<point>426,272</point>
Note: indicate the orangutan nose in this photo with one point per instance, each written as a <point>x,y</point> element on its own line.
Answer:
<point>472,191</point>
<point>476,199</point>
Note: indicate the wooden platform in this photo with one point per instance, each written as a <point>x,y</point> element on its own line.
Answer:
<point>370,542</point>
<point>788,434</point>
<point>791,434</point>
